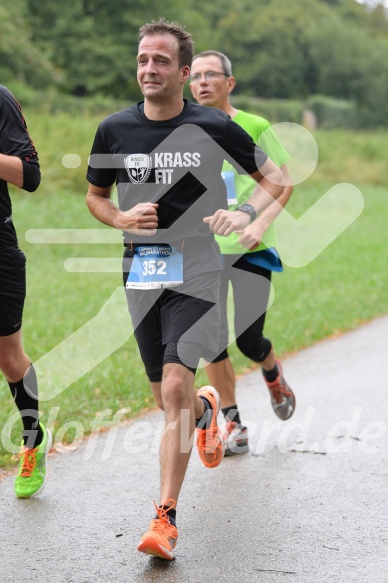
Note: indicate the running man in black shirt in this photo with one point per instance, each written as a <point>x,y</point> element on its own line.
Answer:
<point>165,156</point>
<point>19,166</point>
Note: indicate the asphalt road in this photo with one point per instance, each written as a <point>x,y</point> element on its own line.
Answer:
<point>308,503</point>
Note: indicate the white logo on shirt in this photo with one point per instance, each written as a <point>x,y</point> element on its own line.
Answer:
<point>138,167</point>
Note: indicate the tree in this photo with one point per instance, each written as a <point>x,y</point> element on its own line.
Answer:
<point>278,48</point>
<point>21,59</point>
<point>93,42</point>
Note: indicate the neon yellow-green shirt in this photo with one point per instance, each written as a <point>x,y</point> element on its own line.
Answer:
<point>240,186</point>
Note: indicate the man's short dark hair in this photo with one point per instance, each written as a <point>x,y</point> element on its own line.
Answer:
<point>225,62</point>
<point>184,38</point>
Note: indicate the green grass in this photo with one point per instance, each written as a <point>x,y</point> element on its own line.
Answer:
<point>355,157</point>
<point>342,288</point>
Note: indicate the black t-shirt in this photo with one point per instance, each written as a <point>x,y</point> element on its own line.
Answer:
<point>14,141</point>
<point>178,164</point>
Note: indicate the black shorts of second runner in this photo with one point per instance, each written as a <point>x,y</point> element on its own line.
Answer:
<point>12,290</point>
<point>251,287</point>
<point>187,315</point>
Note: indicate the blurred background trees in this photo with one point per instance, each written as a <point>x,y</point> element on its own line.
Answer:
<point>311,51</point>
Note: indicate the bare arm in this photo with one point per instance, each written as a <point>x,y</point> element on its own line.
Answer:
<point>252,235</point>
<point>141,219</point>
<point>270,185</point>
<point>11,170</point>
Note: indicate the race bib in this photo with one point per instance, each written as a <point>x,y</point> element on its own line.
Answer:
<point>155,267</point>
<point>230,184</point>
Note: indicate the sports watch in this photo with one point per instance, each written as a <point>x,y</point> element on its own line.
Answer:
<point>247,208</point>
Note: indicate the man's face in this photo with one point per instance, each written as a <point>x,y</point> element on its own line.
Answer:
<point>212,89</point>
<point>158,72</point>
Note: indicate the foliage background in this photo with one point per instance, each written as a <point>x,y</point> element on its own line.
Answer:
<point>280,48</point>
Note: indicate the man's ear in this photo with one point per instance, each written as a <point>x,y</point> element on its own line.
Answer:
<point>231,84</point>
<point>185,73</point>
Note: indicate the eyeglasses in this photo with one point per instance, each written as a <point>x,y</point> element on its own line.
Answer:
<point>209,76</point>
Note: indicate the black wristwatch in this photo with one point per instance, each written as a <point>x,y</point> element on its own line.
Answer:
<point>247,208</point>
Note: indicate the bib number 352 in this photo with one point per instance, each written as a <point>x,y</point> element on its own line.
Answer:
<point>152,267</point>
<point>155,266</point>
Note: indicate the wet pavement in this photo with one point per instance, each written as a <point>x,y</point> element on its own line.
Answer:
<point>306,504</point>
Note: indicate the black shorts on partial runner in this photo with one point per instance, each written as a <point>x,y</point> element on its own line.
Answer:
<point>186,317</point>
<point>12,290</point>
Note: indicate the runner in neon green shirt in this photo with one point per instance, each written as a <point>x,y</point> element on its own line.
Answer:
<point>239,186</point>
<point>249,257</point>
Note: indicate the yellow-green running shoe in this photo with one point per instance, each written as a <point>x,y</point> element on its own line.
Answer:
<point>32,474</point>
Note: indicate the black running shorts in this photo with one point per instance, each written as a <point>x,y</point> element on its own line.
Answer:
<point>12,290</point>
<point>188,315</point>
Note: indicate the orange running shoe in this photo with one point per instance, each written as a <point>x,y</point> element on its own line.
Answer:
<point>160,540</point>
<point>282,396</point>
<point>210,442</point>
